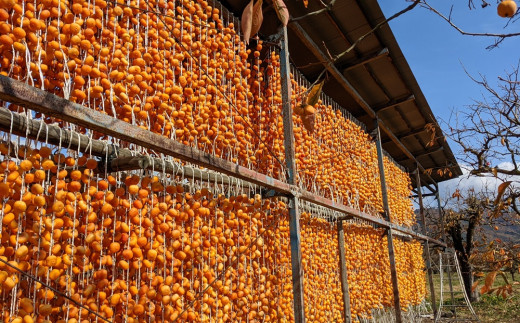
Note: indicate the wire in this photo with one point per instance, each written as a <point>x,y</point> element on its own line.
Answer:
<point>54,290</point>
<point>169,16</point>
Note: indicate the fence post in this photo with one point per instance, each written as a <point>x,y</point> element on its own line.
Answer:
<point>391,255</point>
<point>442,222</point>
<point>294,214</point>
<point>426,242</point>
<point>343,272</point>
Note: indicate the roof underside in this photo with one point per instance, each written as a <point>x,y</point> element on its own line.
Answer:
<point>379,77</point>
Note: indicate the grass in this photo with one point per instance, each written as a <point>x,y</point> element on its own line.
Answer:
<point>490,308</point>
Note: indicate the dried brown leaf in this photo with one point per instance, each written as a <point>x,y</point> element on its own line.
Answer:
<point>501,190</point>
<point>258,18</point>
<point>430,127</point>
<point>308,122</point>
<point>281,11</point>
<point>499,205</point>
<point>247,21</point>
<point>490,279</point>
<point>314,94</point>
<point>299,110</point>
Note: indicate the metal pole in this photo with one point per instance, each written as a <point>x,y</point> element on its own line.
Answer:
<point>426,243</point>
<point>343,273</point>
<point>391,255</point>
<point>448,261</point>
<point>294,214</point>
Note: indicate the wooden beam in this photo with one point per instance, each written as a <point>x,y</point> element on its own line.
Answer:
<point>406,134</point>
<point>343,273</point>
<point>38,100</point>
<point>442,223</point>
<point>423,153</point>
<point>294,214</point>
<point>386,207</point>
<point>424,195</point>
<point>126,159</point>
<point>426,244</point>
<point>364,60</point>
<point>394,104</point>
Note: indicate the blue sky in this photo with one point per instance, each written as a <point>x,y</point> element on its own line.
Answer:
<point>438,54</point>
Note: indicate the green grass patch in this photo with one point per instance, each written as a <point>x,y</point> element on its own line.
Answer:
<point>490,307</point>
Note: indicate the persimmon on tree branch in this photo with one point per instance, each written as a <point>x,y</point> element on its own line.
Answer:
<point>500,37</point>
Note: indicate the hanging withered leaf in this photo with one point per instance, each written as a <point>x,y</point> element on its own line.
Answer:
<point>281,11</point>
<point>314,94</point>
<point>298,110</point>
<point>490,279</point>
<point>247,21</point>
<point>494,171</point>
<point>308,122</point>
<point>501,190</point>
<point>503,141</point>
<point>305,3</point>
<point>258,18</point>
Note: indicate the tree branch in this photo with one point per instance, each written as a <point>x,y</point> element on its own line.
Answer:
<point>448,20</point>
<point>317,12</point>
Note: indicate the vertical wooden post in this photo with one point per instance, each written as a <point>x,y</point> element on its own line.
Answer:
<point>294,214</point>
<point>343,272</point>
<point>426,242</point>
<point>443,232</point>
<point>391,255</point>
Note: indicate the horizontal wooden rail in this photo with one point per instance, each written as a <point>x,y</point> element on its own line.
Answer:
<point>16,92</point>
<point>123,159</point>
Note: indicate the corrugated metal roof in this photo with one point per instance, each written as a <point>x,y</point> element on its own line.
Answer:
<point>376,75</point>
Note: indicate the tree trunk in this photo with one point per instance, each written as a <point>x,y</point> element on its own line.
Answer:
<point>463,258</point>
<point>467,277</point>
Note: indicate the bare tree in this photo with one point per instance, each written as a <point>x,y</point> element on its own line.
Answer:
<point>462,223</point>
<point>489,133</point>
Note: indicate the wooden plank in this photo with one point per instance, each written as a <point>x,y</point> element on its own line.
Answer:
<point>53,134</point>
<point>126,160</point>
<point>442,223</point>
<point>386,207</point>
<point>41,101</point>
<point>426,244</point>
<point>294,214</point>
<point>350,213</point>
<point>36,99</point>
<point>425,153</point>
<point>406,134</point>
<point>364,60</point>
<point>343,273</point>
<point>393,104</point>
